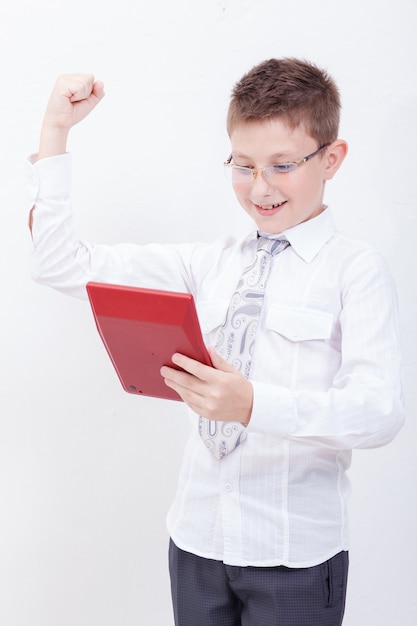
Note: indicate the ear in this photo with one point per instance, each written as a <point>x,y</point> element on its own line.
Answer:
<point>334,157</point>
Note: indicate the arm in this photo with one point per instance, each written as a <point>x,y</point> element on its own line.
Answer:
<point>59,258</point>
<point>71,100</point>
<point>363,404</point>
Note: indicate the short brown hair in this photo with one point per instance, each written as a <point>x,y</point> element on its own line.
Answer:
<point>295,90</point>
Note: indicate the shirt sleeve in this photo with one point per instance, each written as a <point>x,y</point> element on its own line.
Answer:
<point>363,406</point>
<point>62,261</point>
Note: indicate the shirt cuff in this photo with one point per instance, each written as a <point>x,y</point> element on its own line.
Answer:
<point>272,411</point>
<point>49,177</point>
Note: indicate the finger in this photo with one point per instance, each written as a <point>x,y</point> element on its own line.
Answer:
<point>181,378</point>
<point>98,89</point>
<point>186,386</point>
<point>77,87</point>
<point>197,369</point>
<point>219,363</point>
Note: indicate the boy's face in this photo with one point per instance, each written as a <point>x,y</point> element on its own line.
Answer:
<point>294,197</point>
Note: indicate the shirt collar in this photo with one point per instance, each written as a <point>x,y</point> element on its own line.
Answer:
<point>309,237</point>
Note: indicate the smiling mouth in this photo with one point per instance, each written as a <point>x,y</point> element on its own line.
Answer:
<point>269,207</point>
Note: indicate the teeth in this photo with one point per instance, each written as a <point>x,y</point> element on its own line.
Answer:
<point>274,206</point>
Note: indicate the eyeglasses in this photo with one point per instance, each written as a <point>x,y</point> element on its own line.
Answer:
<point>271,173</point>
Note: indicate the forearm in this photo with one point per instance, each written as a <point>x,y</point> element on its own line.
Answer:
<point>53,141</point>
<point>358,401</point>
<point>55,248</point>
<point>362,415</point>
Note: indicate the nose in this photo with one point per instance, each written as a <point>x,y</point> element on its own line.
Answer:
<point>261,183</point>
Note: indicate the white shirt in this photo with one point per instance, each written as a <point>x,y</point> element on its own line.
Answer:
<point>325,373</point>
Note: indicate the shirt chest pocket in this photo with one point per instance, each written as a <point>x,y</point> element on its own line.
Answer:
<point>298,324</point>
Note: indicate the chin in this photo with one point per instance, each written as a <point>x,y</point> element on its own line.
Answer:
<point>272,228</point>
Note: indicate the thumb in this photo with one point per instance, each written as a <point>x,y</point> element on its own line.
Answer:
<point>98,90</point>
<point>219,363</point>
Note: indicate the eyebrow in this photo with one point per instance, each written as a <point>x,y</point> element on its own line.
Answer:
<point>273,157</point>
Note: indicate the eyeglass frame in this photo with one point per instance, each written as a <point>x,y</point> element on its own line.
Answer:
<point>264,170</point>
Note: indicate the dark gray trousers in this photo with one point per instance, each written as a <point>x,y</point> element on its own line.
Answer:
<point>210,593</point>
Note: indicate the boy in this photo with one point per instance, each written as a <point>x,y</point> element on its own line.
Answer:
<point>259,525</point>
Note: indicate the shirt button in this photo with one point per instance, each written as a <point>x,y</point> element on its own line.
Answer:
<point>228,487</point>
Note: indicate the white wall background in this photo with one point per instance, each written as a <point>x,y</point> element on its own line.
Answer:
<point>86,471</point>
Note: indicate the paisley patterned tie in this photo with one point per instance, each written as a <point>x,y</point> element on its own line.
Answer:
<point>236,340</point>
